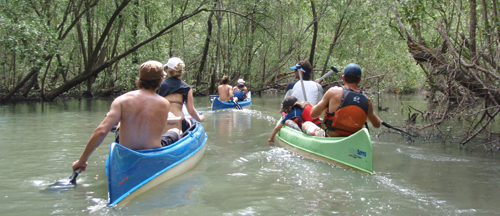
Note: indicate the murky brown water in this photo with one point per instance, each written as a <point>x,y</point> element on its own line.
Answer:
<point>240,174</point>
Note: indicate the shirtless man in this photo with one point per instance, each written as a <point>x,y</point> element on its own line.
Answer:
<point>142,115</point>
<point>225,90</point>
<point>348,108</point>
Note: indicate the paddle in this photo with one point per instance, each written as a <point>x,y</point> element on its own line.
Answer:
<point>397,129</point>
<point>332,69</point>
<point>237,106</point>
<point>212,97</point>
<point>302,83</point>
<point>66,183</point>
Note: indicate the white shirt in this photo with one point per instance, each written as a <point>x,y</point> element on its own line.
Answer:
<point>314,91</point>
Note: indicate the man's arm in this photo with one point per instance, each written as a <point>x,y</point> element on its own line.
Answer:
<point>323,103</point>
<point>372,117</point>
<point>111,119</point>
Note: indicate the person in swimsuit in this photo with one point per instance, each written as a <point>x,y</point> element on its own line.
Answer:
<point>177,92</point>
<point>139,129</point>
<point>225,90</point>
<point>347,108</point>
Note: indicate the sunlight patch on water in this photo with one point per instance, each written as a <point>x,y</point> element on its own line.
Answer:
<point>99,204</point>
<point>38,183</point>
<point>422,199</point>
<point>430,157</point>
<point>258,115</point>
<point>237,174</point>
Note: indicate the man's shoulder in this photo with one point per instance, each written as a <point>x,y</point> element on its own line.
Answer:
<point>127,95</point>
<point>335,91</point>
<point>336,88</point>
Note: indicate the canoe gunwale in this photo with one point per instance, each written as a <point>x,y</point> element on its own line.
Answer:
<point>334,142</point>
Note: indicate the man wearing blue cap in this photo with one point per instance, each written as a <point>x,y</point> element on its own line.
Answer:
<point>347,107</point>
<point>313,90</point>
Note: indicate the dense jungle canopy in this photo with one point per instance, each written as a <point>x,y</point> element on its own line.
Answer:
<point>88,48</point>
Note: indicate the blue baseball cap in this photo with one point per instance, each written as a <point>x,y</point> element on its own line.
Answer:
<point>298,67</point>
<point>353,69</point>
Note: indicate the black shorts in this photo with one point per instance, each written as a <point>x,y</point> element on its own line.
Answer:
<point>169,137</point>
<point>185,125</point>
<point>117,135</point>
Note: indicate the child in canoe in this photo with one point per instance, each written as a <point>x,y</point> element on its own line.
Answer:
<point>297,112</point>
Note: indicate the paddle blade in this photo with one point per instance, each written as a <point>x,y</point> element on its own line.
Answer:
<point>334,69</point>
<point>237,106</point>
<point>212,97</point>
<point>66,183</point>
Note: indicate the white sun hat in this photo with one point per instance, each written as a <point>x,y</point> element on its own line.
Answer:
<point>241,81</point>
<point>174,63</point>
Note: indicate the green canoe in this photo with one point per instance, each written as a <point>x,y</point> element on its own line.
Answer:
<point>354,151</point>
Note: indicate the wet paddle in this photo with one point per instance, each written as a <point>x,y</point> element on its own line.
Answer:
<point>237,106</point>
<point>397,129</point>
<point>66,183</point>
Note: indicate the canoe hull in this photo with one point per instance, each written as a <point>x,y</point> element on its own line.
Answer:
<point>218,105</point>
<point>131,173</point>
<point>354,152</point>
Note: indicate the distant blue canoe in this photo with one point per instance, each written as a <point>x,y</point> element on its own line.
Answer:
<point>131,172</point>
<point>218,105</point>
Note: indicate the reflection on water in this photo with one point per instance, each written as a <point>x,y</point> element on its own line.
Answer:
<point>240,173</point>
<point>233,122</point>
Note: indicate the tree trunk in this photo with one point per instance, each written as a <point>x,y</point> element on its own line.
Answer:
<point>472,29</point>
<point>315,36</point>
<point>250,47</point>
<point>87,74</point>
<point>30,85</point>
<point>33,71</point>
<point>217,57</point>
<point>205,50</point>
<point>338,33</point>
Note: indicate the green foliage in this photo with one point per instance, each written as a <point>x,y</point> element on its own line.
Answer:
<point>369,38</point>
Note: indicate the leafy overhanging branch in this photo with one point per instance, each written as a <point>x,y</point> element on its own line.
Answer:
<point>94,72</point>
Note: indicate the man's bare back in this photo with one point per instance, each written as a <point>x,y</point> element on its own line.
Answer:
<point>143,118</point>
<point>142,115</point>
<point>225,92</point>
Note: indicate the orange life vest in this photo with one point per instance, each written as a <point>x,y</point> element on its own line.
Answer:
<point>351,114</point>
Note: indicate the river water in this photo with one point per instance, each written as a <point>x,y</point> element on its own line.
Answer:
<point>241,174</point>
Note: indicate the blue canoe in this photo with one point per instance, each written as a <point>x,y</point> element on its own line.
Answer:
<point>218,105</point>
<point>132,172</point>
